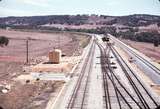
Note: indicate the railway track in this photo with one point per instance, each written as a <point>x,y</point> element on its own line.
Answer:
<point>154,68</point>
<point>152,71</point>
<point>144,96</point>
<point>78,98</point>
<point>116,94</point>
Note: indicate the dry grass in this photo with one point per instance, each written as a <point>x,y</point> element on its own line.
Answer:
<point>146,48</point>
<point>41,44</point>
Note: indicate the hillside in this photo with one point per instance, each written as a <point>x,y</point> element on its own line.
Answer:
<point>138,27</point>
<point>131,20</point>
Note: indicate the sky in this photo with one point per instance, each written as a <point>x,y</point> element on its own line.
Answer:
<point>73,7</point>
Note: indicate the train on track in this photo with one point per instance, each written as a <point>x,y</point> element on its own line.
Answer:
<point>105,39</point>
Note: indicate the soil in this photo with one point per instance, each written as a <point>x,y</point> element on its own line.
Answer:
<point>146,48</point>
<point>9,70</point>
<point>30,95</point>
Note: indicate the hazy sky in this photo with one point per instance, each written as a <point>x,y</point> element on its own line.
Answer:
<point>72,7</point>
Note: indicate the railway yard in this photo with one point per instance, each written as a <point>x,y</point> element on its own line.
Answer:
<point>106,75</point>
<point>106,80</point>
<point>79,54</point>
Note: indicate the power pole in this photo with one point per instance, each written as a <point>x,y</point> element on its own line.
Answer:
<point>59,42</point>
<point>27,56</point>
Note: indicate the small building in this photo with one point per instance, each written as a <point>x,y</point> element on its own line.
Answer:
<point>55,56</point>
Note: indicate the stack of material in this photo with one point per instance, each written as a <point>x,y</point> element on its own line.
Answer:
<point>55,56</point>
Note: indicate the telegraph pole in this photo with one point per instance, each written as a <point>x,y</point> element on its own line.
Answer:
<point>27,56</point>
<point>59,42</point>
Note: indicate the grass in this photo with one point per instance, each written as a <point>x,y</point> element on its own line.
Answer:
<point>82,38</point>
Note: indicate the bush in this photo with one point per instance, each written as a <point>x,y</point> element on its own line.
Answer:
<point>3,41</point>
<point>127,35</point>
<point>156,43</point>
<point>148,37</point>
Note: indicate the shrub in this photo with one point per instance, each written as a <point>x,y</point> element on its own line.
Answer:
<point>3,41</point>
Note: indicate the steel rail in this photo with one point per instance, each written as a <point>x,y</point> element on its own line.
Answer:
<point>144,103</point>
<point>157,70</point>
<point>111,70</point>
<point>156,104</point>
<point>90,66</point>
<point>79,81</point>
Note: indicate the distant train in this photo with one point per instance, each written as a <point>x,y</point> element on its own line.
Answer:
<point>105,39</point>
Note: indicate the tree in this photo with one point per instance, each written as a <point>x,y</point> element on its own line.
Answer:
<point>156,42</point>
<point>158,24</point>
<point>3,41</point>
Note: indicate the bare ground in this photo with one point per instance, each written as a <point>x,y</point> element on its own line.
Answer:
<point>39,45</point>
<point>146,48</point>
<point>9,70</point>
<point>29,96</point>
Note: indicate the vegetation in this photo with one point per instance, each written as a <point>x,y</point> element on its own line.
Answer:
<point>42,20</point>
<point>102,30</point>
<point>156,43</point>
<point>126,35</point>
<point>36,21</point>
<point>147,37</point>
<point>129,29</point>
<point>3,41</point>
<point>158,24</point>
<point>151,37</point>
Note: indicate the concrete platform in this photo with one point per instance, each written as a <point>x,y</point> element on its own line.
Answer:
<point>65,66</point>
<point>43,77</point>
<point>56,68</point>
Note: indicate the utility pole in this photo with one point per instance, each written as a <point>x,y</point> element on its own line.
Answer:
<point>27,54</point>
<point>59,42</point>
